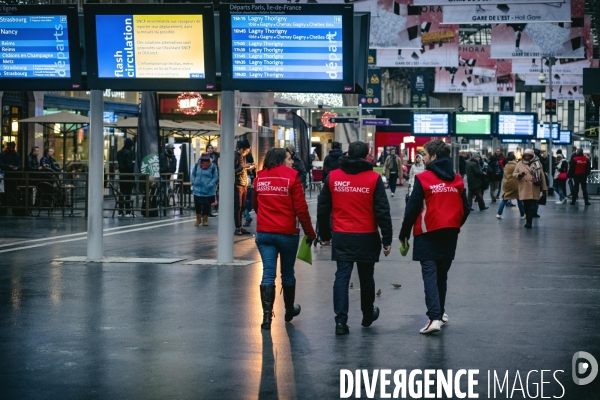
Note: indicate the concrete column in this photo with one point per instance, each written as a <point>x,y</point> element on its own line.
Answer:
<point>39,129</point>
<point>226,175</point>
<point>96,178</point>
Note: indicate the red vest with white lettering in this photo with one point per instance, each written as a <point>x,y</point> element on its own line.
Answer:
<point>443,205</point>
<point>352,198</point>
<point>580,165</point>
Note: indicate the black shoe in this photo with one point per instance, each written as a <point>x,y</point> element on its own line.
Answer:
<point>510,205</point>
<point>238,232</point>
<point>267,298</point>
<point>572,203</point>
<point>341,329</point>
<point>245,232</point>
<point>366,322</point>
<point>588,204</point>
<point>536,216</point>
<point>291,310</point>
<point>528,226</point>
<point>485,208</point>
<point>472,209</point>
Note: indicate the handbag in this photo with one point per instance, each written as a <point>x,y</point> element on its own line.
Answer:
<point>535,180</point>
<point>562,176</point>
<point>305,251</point>
<point>542,200</point>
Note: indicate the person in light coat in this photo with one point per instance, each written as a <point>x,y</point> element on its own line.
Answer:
<point>204,179</point>
<point>417,168</point>
<point>510,186</point>
<point>532,182</point>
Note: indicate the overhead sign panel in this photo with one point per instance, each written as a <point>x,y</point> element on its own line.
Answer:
<point>477,2</point>
<point>40,48</point>
<point>165,47</point>
<point>507,13</point>
<point>283,47</point>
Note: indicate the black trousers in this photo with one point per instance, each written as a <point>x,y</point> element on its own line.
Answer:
<point>340,289</point>
<point>126,187</point>
<point>530,210</point>
<point>478,196</point>
<point>393,182</point>
<point>202,209</point>
<point>580,180</point>
<point>239,201</point>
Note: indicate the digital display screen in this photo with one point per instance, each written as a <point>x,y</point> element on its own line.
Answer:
<point>563,138</point>
<point>150,46</point>
<point>40,48</point>
<point>165,47</point>
<point>544,130</point>
<point>513,141</point>
<point>270,44</point>
<point>431,124</point>
<point>473,124</point>
<point>522,125</point>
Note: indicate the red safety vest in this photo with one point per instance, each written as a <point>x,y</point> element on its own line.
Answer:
<point>443,206</point>
<point>352,198</point>
<point>580,165</point>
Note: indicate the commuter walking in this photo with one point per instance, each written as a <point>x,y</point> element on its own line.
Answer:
<point>298,164</point>
<point>560,178</point>
<point>204,179</point>
<point>241,184</point>
<point>462,164</point>
<point>417,168</point>
<point>436,210</point>
<point>126,161</point>
<point>510,187</point>
<point>331,161</point>
<point>475,177</point>
<point>278,202</point>
<point>579,169</point>
<point>532,182</point>
<point>354,195</point>
<point>494,175</point>
<point>167,163</point>
<point>391,169</point>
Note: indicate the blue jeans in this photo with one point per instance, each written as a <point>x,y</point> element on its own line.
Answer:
<point>271,245</point>
<point>561,189</point>
<point>503,203</point>
<point>340,289</point>
<point>435,275</point>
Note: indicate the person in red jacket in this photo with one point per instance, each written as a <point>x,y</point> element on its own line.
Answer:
<point>278,201</point>
<point>436,210</point>
<point>579,169</point>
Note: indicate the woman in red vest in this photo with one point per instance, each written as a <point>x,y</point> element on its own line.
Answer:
<point>436,210</point>
<point>278,201</point>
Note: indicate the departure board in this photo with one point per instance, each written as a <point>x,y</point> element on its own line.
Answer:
<point>516,125</point>
<point>265,46</point>
<point>563,138</point>
<point>473,124</point>
<point>38,46</point>
<point>543,131</point>
<point>434,124</point>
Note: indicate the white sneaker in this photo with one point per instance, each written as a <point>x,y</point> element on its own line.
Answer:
<point>432,326</point>
<point>128,215</point>
<point>392,194</point>
<point>558,202</point>
<point>444,319</point>
<point>524,216</point>
<point>498,216</point>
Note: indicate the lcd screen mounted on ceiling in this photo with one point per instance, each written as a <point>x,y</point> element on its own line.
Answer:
<point>40,48</point>
<point>473,124</point>
<point>564,137</point>
<point>431,124</point>
<point>516,125</point>
<point>287,47</point>
<point>156,47</point>
<point>543,131</point>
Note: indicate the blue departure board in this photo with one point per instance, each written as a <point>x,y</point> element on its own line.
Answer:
<point>563,138</point>
<point>434,124</point>
<point>35,46</point>
<point>543,131</point>
<point>516,125</point>
<point>287,46</point>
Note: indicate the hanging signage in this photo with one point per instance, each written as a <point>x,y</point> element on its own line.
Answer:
<point>372,97</point>
<point>507,13</point>
<point>550,106</point>
<point>592,118</point>
<point>419,89</point>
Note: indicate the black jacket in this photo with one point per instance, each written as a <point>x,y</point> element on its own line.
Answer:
<point>331,162</point>
<point>439,244</point>
<point>10,159</point>
<point>356,247</point>
<point>33,163</point>
<point>125,160</point>
<point>462,165</point>
<point>474,175</point>
<point>301,168</point>
<point>49,162</point>
<point>167,163</point>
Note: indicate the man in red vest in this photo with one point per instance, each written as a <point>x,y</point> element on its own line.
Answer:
<point>354,196</point>
<point>579,169</point>
<point>436,210</point>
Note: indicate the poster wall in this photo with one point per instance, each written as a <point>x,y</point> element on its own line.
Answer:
<point>557,79</point>
<point>394,23</point>
<point>507,13</point>
<point>477,74</point>
<point>440,45</point>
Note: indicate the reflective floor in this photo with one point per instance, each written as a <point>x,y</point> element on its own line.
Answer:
<point>518,300</point>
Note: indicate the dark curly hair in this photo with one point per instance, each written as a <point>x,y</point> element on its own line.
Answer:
<point>274,158</point>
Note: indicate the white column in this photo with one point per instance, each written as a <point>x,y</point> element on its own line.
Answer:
<point>96,178</point>
<point>226,176</point>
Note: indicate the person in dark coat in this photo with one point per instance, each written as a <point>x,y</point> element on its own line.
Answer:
<point>48,161</point>
<point>241,169</point>
<point>462,164</point>
<point>475,178</point>
<point>298,164</point>
<point>354,195</point>
<point>436,210</point>
<point>331,161</point>
<point>33,162</point>
<point>125,159</point>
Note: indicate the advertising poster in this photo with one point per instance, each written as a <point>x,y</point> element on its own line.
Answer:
<point>592,118</point>
<point>481,2</point>
<point>507,13</point>
<point>476,75</point>
<point>419,89</point>
<point>440,45</point>
<point>394,23</point>
<point>557,79</point>
<point>565,92</point>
